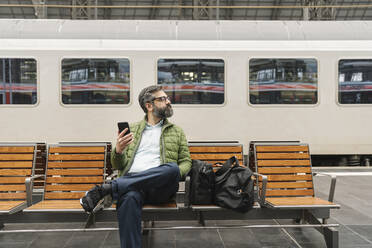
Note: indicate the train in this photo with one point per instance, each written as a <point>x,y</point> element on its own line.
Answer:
<point>67,80</point>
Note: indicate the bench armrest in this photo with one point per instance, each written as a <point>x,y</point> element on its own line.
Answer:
<point>332,186</point>
<point>262,194</point>
<point>29,181</point>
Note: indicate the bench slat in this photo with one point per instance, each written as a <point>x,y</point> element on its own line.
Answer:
<point>223,156</point>
<point>57,204</point>
<point>74,179</point>
<point>14,187</point>
<point>16,149</point>
<point>283,170</point>
<point>15,172</point>
<point>77,149</point>
<point>289,178</point>
<point>272,185</point>
<point>15,157</point>
<point>77,157</point>
<point>16,164</point>
<point>69,187</point>
<point>215,149</point>
<point>76,172</point>
<point>282,148</point>
<point>295,192</point>
<point>12,195</point>
<point>219,161</point>
<point>283,156</point>
<point>283,162</point>
<point>172,204</point>
<point>12,179</point>
<point>8,205</point>
<point>80,164</point>
<point>297,201</point>
<point>63,195</point>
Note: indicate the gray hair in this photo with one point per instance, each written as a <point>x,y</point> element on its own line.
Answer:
<point>146,96</point>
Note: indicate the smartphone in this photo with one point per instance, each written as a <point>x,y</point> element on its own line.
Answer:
<point>122,126</point>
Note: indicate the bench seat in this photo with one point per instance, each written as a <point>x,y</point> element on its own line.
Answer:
<point>7,206</point>
<point>299,202</point>
<point>215,207</point>
<point>54,205</point>
<point>172,205</point>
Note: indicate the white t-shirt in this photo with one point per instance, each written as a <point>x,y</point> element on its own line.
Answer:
<point>148,153</point>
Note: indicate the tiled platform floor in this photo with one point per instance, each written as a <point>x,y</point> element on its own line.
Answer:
<point>353,193</point>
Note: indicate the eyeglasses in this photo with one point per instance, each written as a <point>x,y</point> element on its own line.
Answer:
<point>162,98</point>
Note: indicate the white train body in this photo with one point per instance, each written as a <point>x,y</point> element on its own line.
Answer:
<point>328,126</point>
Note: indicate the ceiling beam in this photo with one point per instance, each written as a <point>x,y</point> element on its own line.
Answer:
<point>181,11</point>
<point>314,13</point>
<point>275,12</point>
<point>153,11</point>
<point>107,11</point>
<point>40,11</point>
<point>81,12</point>
<point>202,13</point>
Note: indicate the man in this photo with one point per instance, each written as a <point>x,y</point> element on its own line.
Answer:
<point>151,160</point>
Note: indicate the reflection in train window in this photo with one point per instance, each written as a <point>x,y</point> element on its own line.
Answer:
<point>355,81</point>
<point>193,81</point>
<point>95,81</point>
<point>283,81</point>
<point>18,81</point>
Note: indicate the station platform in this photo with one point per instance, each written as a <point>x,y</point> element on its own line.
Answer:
<point>353,193</point>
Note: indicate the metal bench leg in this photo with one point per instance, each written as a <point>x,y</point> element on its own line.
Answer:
<point>331,237</point>
<point>330,233</point>
<point>201,218</point>
<point>147,233</point>
<point>145,226</point>
<point>1,225</point>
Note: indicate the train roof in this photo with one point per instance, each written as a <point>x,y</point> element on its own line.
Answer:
<point>185,30</point>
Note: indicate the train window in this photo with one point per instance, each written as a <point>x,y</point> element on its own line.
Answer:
<point>355,81</point>
<point>283,81</point>
<point>193,81</point>
<point>18,81</point>
<point>95,81</point>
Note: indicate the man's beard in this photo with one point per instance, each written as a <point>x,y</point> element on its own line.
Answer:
<point>163,113</point>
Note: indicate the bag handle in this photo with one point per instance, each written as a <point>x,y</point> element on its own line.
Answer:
<point>227,165</point>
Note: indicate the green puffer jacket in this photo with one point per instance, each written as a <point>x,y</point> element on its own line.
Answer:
<point>173,148</point>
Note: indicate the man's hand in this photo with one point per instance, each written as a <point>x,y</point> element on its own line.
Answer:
<point>123,141</point>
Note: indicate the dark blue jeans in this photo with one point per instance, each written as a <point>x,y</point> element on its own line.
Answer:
<point>156,185</point>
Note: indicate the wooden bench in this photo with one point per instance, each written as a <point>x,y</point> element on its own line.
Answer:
<point>290,182</point>
<point>72,169</point>
<point>263,209</point>
<point>17,163</point>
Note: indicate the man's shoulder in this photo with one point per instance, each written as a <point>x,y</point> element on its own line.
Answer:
<point>175,128</point>
<point>136,125</point>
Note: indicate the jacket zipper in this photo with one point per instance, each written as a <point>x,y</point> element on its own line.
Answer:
<point>162,142</point>
<point>163,153</point>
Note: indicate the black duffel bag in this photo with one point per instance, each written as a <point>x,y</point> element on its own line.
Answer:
<point>201,183</point>
<point>234,186</point>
